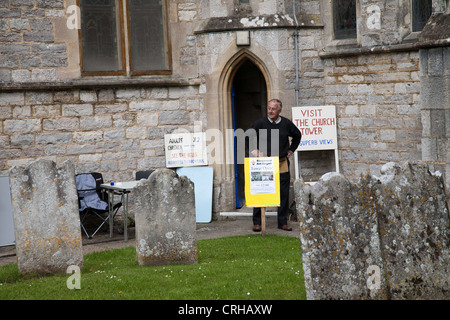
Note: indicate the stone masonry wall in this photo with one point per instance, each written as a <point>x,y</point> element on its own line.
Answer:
<point>39,41</point>
<point>32,48</point>
<point>435,108</point>
<point>113,131</point>
<point>377,105</point>
<point>119,129</point>
<point>435,95</point>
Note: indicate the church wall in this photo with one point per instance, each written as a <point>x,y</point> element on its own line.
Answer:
<point>115,124</point>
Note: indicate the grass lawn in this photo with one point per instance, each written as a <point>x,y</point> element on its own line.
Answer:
<point>237,268</point>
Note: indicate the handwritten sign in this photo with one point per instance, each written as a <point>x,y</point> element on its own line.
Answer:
<point>318,127</point>
<point>185,149</point>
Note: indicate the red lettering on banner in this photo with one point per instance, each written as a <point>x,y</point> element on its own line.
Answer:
<point>308,131</point>
<point>301,122</point>
<point>323,122</point>
<point>311,113</point>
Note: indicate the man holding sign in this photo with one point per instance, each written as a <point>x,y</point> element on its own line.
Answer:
<point>273,133</point>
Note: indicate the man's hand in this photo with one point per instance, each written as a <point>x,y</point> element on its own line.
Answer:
<point>289,153</point>
<point>256,153</point>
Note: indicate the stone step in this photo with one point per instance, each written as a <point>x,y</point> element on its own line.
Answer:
<point>243,214</point>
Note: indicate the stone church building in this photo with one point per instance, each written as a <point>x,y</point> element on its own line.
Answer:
<point>100,82</point>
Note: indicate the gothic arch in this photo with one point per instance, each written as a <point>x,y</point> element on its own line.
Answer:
<point>225,86</point>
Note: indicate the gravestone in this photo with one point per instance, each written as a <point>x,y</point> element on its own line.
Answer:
<point>46,219</point>
<point>165,219</point>
<point>384,237</point>
<point>338,233</point>
<point>414,228</point>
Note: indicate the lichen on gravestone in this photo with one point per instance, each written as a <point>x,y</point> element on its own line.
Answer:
<point>414,228</point>
<point>46,217</point>
<point>338,238</point>
<point>397,224</point>
<point>165,219</point>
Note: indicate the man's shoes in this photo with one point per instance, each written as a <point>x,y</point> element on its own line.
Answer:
<point>256,228</point>
<point>285,227</point>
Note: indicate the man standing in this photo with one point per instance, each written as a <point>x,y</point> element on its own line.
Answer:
<point>275,126</point>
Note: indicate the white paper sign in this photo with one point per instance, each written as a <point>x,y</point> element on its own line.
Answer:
<point>185,149</point>
<point>318,127</point>
<point>262,175</point>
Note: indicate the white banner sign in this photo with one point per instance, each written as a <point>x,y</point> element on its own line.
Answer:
<point>185,149</point>
<point>318,127</point>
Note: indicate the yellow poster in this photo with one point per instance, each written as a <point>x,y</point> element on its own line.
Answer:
<point>262,182</point>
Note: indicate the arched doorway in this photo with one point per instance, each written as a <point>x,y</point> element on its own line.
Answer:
<point>249,101</point>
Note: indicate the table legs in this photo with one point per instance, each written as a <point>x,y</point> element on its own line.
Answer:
<point>125,217</point>
<point>111,213</point>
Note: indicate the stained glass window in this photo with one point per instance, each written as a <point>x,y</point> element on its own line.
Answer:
<point>100,37</point>
<point>148,35</point>
<point>421,12</point>
<point>344,19</point>
<point>103,40</point>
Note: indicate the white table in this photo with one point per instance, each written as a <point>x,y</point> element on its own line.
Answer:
<point>123,189</point>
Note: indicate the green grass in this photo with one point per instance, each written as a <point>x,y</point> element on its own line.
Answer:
<point>238,268</point>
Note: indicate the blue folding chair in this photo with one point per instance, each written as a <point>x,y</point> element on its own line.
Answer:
<point>93,202</point>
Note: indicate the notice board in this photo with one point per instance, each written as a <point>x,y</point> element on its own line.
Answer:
<point>262,182</point>
<point>185,149</point>
<point>318,127</point>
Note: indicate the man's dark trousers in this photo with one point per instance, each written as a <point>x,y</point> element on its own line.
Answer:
<point>283,209</point>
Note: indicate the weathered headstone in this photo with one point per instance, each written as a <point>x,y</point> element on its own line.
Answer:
<point>165,219</point>
<point>338,233</point>
<point>414,227</point>
<point>46,218</point>
<point>384,237</point>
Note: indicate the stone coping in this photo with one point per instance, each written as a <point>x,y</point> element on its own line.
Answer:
<point>100,83</point>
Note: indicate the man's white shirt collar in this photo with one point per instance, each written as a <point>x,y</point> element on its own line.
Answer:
<point>276,121</point>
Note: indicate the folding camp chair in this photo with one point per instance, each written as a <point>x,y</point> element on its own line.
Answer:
<point>93,201</point>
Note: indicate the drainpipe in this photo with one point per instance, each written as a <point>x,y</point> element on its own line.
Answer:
<point>298,168</point>
<point>296,55</point>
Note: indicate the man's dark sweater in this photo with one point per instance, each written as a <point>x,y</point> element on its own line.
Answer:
<point>285,128</point>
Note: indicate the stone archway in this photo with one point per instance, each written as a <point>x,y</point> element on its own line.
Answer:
<point>241,59</point>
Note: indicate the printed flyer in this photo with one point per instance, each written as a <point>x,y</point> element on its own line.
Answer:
<point>262,176</point>
<point>262,182</point>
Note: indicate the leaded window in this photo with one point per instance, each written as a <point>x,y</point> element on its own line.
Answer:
<point>103,41</point>
<point>344,19</point>
<point>421,12</point>
<point>149,49</point>
<point>100,36</point>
